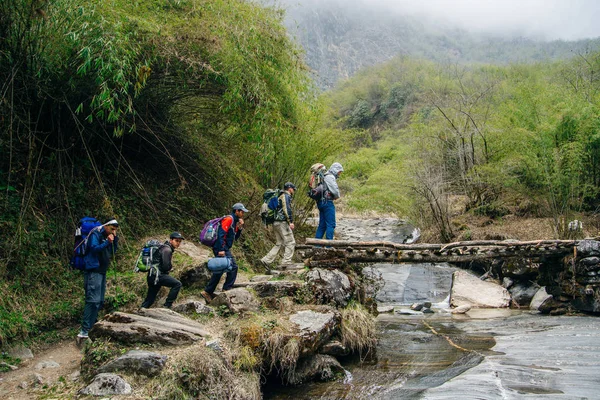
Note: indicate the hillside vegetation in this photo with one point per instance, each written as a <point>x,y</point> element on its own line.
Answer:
<point>521,140</point>
<point>159,113</point>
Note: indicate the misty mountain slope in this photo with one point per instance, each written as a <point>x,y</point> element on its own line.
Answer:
<point>339,40</point>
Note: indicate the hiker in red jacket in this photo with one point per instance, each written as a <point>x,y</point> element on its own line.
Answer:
<point>230,229</point>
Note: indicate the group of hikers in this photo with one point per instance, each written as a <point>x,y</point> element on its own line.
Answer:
<point>102,244</point>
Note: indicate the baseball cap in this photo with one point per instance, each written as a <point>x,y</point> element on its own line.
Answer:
<point>176,235</point>
<point>239,206</point>
<point>289,185</point>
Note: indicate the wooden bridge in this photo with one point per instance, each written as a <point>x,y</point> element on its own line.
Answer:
<point>323,253</point>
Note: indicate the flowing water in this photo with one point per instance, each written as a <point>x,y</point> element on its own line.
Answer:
<point>484,354</point>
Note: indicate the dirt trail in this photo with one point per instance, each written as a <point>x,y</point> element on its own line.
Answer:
<point>27,382</point>
<point>63,359</point>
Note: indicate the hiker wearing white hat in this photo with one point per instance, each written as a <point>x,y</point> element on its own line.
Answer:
<point>100,248</point>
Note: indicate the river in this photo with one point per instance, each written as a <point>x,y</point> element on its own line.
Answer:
<point>484,354</point>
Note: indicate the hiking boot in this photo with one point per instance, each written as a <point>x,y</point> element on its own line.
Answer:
<point>267,267</point>
<point>207,296</point>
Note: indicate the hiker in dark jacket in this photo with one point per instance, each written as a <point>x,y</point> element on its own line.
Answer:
<point>160,277</point>
<point>283,227</point>
<point>325,204</point>
<point>101,246</point>
<point>230,229</point>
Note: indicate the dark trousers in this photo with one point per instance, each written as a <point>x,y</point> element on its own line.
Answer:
<point>95,286</point>
<point>216,276</point>
<point>326,219</point>
<point>163,280</point>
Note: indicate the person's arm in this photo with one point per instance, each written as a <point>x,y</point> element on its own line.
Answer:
<point>96,244</point>
<point>286,205</point>
<point>223,240</point>
<point>166,256</point>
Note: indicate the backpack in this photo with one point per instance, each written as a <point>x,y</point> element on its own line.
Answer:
<point>210,231</point>
<point>316,181</point>
<point>85,226</point>
<point>149,257</point>
<point>270,206</point>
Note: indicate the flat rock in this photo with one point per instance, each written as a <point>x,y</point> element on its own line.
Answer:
<point>468,289</point>
<point>136,361</point>
<point>106,385</point>
<point>461,309</point>
<point>160,326</point>
<point>407,311</point>
<point>260,278</point>
<point>47,364</point>
<point>385,309</point>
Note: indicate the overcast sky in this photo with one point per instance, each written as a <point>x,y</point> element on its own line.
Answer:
<point>542,19</point>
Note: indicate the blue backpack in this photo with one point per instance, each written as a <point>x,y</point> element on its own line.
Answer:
<point>84,228</point>
<point>270,206</point>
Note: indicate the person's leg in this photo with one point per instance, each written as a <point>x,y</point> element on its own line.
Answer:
<point>93,300</point>
<point>231,275</point>
<point>330,220</point>
<point>289,244</point>
<point>174,284</point>
<point>322,225</point>
<point>152,291</point>
<point>271,255</point>
<point>213,282</point>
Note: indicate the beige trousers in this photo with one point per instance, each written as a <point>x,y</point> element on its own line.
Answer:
<point>284,238</point>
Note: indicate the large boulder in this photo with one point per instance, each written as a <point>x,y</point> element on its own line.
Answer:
<point>158,326</point>
<point>106,385</point>
<point>136,361</point>
<point>522,293</point>
<point>236,300</point>
<point>320,368</point>
<point>315,328</point>
<point>277,288</point>
<point>329,286</point>
<point>196,276</point>
<point>468,289</point>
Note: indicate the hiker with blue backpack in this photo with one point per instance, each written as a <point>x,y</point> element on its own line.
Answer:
<point>229,230</point>
<point>159,276</point>
<point>100,246</point>
<point>330,192</point>
<point>283,225</point>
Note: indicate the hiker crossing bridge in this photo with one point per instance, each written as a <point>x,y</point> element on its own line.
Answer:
<point>332,253</point>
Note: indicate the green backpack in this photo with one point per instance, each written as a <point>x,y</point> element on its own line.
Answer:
<point>149,257</point>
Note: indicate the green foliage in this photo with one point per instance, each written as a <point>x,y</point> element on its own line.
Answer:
<point>161,114</point>
<point>491,133</point>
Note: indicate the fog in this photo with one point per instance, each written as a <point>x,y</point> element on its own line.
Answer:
<point>539,19</point>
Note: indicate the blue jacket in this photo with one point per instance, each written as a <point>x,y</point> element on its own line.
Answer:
<point>99,251</point>
<point>228,232</point>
